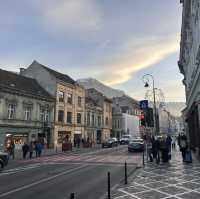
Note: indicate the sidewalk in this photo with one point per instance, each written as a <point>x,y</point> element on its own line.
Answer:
<point>167,180</point>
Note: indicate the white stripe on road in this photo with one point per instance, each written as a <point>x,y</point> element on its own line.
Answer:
<point>41,181</point>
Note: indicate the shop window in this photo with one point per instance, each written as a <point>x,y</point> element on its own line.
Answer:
<point>79,101</point>
<point>61,95</point>
<point>27,113</point>
<point>60,116</point>
<point>69,117</point>
<point>78,118</point>
<point>11,111</point>
<point>69,98</point>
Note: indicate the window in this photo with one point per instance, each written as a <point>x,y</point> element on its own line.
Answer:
<point>78,118</point>
<point>60,116</point>
<point>69,117</point>
<point>93,119</point>
<point>69,98</point>
<point>118,124</point>
<point>61,96</point>
<point>99,120</point>
<point>79,101</point>
<point>41,114</point>
<point>46,116</point>
<point>27,113</point>
<point>106,121</point>
<point>88,119</point>
<point>11,111</point>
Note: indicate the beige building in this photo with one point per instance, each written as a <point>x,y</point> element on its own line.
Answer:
<point>105,107</point>
<point>26,111</point>
<point>70,101</point>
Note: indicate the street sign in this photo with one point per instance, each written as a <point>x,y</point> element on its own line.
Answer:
<point>144,104</point>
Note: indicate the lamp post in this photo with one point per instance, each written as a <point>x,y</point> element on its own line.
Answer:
<point>146,82</point>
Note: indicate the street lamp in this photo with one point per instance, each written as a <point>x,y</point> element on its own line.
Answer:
<point>146,85</point>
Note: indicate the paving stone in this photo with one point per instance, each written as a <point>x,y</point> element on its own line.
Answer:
<point>172,190</point>
<point>190,195</point>
<point>190,185</point>
<point>156,184</point>
<point>151,195</point>
<point>135,189</point>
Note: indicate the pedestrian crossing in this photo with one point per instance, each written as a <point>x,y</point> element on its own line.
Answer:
<point>117,159</point>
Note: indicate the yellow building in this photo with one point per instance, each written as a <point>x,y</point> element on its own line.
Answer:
<point>70,101</point>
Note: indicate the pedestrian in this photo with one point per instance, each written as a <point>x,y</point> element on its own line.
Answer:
<point>155,149</point>
<point>12,149</point>
<point>78,142</point>
<point>74,142</point>
<point>164,150</point>
<point>25,149</point>
<point>31,148</point>
<point>38,149</point>
<point>149,149</point>
<point>169,145</point>
<point>183,145</point>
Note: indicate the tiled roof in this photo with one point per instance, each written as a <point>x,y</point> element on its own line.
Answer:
<point>10,81</point>
<point>60,76</point>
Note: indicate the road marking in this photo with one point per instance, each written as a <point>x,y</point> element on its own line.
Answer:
<point>41,181</point>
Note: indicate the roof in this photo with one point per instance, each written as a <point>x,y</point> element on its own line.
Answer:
<point>60,76</point>
<point>10,81</point>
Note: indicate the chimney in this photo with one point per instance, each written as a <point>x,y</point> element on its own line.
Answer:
<point>22,70</point>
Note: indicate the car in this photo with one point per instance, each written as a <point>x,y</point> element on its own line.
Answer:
<point>136,145</point>
<point>125,139</point>
<point>109,143</point>
<point>3,159</point>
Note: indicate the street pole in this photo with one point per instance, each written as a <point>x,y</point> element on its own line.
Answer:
<point>154,99</point>
<point>154,105</point>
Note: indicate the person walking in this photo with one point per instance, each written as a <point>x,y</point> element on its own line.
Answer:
<point>183,146</point>
<point>38,149</point>
<point>12,149</point>
<point>31,148</point>
<point>155,149</point>
<point>169,145</point>
<point>25,149</point>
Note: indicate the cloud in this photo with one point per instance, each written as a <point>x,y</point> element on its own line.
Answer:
<point>64,16</point>
<point>136,55</point>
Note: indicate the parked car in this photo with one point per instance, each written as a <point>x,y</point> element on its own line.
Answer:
<point>125,139</point>
<point>3,159</point>
<point>136,145</point>
<point>109,143</point>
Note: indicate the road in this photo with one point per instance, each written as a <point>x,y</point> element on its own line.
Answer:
<point>57,176</point>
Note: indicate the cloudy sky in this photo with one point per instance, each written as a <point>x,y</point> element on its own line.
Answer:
<point>114,41</point>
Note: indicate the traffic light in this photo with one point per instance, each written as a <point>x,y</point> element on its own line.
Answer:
<point>142,119</point>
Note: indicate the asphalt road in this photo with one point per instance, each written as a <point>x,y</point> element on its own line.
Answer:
<point>59,175</point>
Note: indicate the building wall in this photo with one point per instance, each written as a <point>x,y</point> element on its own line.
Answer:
<point>189,66</point>
<point>74,127</point>
<point>19,125</point>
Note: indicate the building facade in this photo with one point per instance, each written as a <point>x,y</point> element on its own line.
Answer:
<point>93,120</point>
<point>26,111</point>
<point>189,66</point>
<point>106,105</point>
<point>70,101</point>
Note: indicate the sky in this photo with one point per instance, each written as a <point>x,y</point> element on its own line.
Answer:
<point>114,41</point>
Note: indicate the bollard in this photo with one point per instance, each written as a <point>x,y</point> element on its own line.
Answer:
<point>109,185</point>
<point>143,159</point>
<point>72,196</point>
<point>125,174</point>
